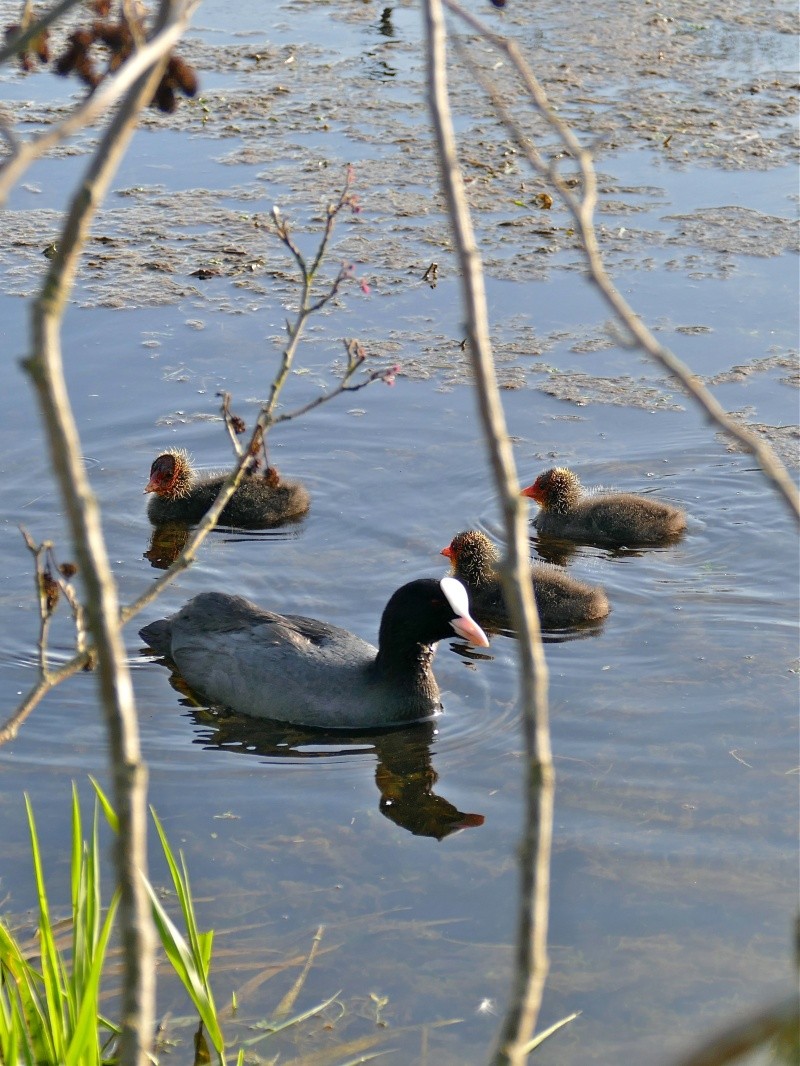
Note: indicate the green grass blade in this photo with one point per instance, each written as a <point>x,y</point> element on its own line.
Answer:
<point>76,866</point>
<point>180,879</point>
<point>200,945</point>
<point>86,902</point>
<point>14,1047</point>
<point>93,895</point>
<point>105,803</point>
<point>84,1046</point>
<point>205,944</point>
<point>53,1028</point>
<point>22,1010</point>
<point>181,958</point>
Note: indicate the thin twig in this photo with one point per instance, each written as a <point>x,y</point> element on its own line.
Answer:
<point>20,41</point>
<point>229,423</point>
<point>45,612</point>
<point>356,357</point>
<point>10,728</point>
<point>99,102</point>
<point>312,405</point>
<point>72,598</point>
<point>306,307</point>
<point>266,417</point>
<point>534,854</point>
<point>581,207</point>
<point>50,583</point>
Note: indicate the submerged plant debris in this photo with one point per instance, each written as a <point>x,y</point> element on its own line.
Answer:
<point>650,80</point>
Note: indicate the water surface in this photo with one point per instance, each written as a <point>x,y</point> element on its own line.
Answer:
<point>674,725</point>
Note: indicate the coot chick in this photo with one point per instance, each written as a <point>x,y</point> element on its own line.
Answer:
<point>300,670</point>
<point>561,600</point>
<point>259,502</point>
<point>615,519</point>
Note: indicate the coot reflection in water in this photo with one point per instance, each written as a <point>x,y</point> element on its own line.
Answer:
<point>404,771</point>
<point>168,541</point>
<point>562,552</point>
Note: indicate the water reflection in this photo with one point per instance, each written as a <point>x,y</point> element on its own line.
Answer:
<point>385,26</point>
<point>166,544</point>
<point>168,541</point>
<point>377,67</point>
<point>499,628</point>
<point>404,771</point>
<point>559,551</point>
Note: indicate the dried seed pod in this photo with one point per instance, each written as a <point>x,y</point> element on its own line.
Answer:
<point>182,76</point>
<point>164,99</point>
<point>49,590</point>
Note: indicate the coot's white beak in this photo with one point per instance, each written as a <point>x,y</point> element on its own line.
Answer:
<point>464,625</point>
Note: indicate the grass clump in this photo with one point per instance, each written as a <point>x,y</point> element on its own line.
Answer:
<point>50,983</point>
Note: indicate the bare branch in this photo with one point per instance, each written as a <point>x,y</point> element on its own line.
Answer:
<point>306,307</point>
<point>189,552</point>
<point>531,940</point>
<point>231,423</point>
<point>45,367</point>
<point>346,199</point>
<point>50,584</point>
<point>582,210</point>
<point>11,726</point>
<point>356,357</point>
<point>44,599</point>
<point>20,41</point>
<point>101,101</point>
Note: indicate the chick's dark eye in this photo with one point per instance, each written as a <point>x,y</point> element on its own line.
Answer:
<point>165,464</point>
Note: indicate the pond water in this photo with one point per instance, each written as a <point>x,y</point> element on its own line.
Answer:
<point>674,724</point>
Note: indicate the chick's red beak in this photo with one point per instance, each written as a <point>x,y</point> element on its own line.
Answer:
<point>448,551</point>
<point>153,485</point>
<point>532,492</point>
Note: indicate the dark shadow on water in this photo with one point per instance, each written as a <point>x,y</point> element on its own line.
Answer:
<point>404,772</point>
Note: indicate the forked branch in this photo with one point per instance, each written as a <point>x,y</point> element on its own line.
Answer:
<point>46,370</point>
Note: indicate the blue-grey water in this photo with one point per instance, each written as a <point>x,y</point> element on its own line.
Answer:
<point>674,725</point>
